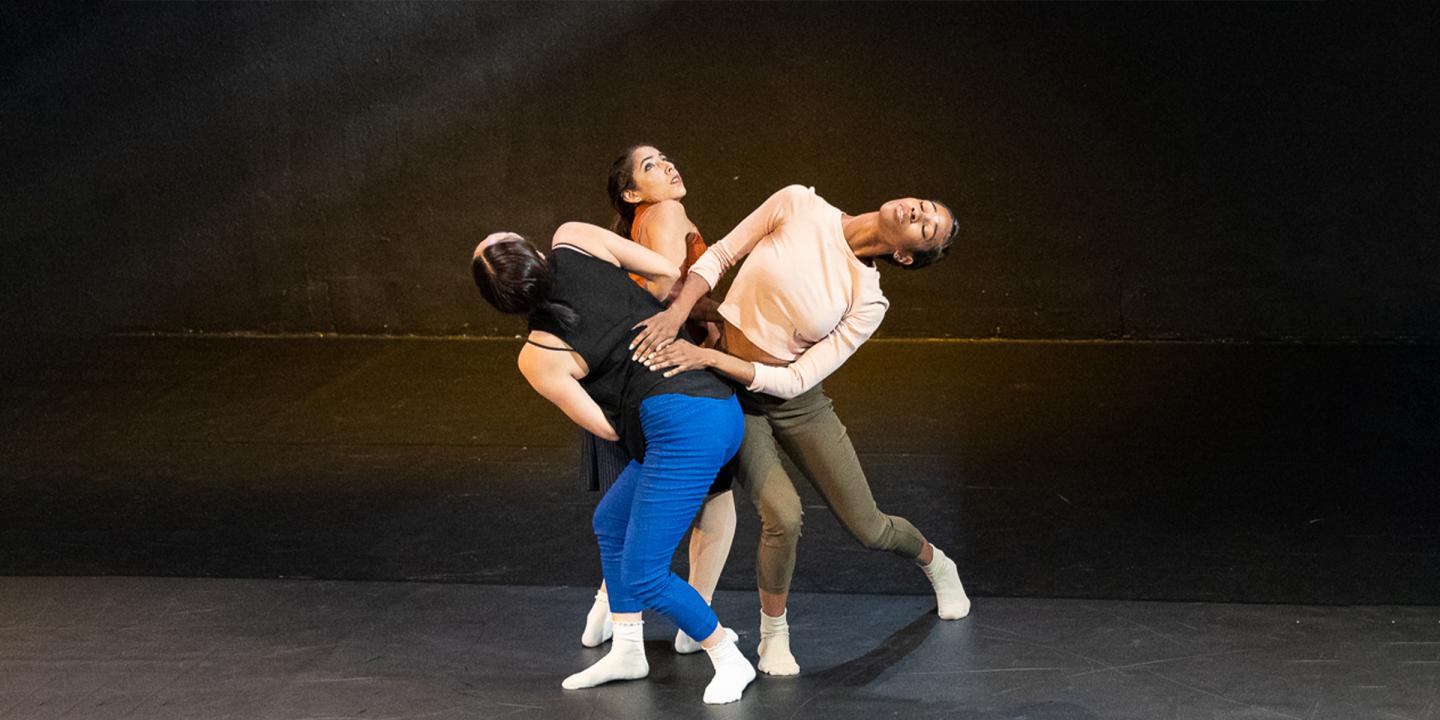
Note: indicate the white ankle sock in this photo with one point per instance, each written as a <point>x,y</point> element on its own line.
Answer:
<point>597,622</point>
<point>732,672</point>
<point>775,657</point>
<point>625,661</point>
<point>684,644</point>
<point>950,599</point>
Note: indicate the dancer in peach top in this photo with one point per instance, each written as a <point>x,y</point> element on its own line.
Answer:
<point>805,300</point>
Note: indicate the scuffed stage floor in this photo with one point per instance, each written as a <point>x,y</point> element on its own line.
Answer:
<point>156,648</point>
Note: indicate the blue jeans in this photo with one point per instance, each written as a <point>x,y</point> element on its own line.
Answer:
<point>641,519</point>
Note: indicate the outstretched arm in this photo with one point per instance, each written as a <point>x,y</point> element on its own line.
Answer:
<point>682,355</point>
<point>705,274</point>
<point>784,381</point>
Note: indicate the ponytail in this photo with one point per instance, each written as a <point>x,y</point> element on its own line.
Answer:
<point>559,313</point>
<point>622,178</point>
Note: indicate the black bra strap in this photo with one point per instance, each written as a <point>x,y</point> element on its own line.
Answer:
<point>556,246</point>
<point>549,347</point>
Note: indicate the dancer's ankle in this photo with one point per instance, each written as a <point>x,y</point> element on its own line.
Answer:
<point>625,661</point>
<point>597,621</point>
<point>732,671</point>
<point>775,655</point>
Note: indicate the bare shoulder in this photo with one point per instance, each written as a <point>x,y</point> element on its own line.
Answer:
<point>546,354</point>
<point>791,196</point>
<point>664,230</point>
<point>663,219</point>
<point>669,210</point>
<point>591,239</point>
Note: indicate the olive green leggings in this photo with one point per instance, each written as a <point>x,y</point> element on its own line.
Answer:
<point>808,430</point>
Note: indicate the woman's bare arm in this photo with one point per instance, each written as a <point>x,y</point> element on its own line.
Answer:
<point>665,231</point>
<point>616,250</point>
<point>680,356</point>
<point>552,374</point>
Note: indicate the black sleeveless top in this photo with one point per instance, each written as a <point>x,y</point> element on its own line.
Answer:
<point>609,304</point>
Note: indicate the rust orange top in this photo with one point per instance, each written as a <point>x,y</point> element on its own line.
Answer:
<point>694,244</point>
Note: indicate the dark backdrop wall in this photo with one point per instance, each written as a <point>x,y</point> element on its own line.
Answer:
<point>1146,171</point>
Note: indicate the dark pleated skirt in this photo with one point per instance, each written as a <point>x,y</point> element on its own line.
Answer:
<point>601,462</point>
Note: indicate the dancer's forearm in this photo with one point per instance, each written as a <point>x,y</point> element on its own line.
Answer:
<point>694,288</point>
<point>707,309</point>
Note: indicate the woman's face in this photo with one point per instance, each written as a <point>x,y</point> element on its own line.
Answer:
<point>910,225</point>
<point>654,176</point>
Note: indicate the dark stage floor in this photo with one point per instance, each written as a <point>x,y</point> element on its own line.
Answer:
<point>1139,471</point>
<point>156,648</point>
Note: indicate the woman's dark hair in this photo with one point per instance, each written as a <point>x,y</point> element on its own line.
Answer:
<point>515,278</point>
<point>622,178</point>
<point>935,254</point>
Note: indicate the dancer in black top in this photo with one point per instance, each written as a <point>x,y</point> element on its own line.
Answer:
<point>582,310</point>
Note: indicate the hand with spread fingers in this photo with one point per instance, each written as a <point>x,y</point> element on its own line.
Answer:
<point>677,357</point>
<point>658,330</point>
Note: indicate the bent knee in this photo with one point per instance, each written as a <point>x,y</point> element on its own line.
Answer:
<point>785,523</point>
<point>646,584</point>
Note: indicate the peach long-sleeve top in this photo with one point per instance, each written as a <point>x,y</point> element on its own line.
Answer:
<point>802,296</point>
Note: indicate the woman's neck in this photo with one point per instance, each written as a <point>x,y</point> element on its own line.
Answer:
<point>862,234</point>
